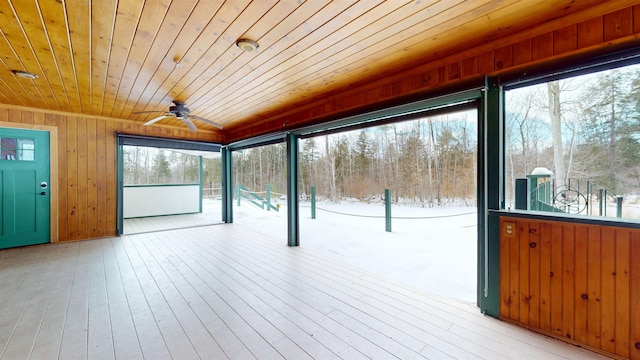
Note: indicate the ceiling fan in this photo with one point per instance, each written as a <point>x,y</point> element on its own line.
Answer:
<point>180,111</point>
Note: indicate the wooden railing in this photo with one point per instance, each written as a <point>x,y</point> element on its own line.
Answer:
<point>576,196</point>
<point>254,198</point>
<point>578,282</point>
<point>571,195</point>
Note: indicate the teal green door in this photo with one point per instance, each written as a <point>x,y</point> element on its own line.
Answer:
<point>24,187</point>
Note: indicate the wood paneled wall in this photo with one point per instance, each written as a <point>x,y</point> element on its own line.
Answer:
<point>574,281</point>
<point>558,42</point>
<point>86,154</point>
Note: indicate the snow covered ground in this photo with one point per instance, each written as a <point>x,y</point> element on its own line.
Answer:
<point>435,254</point>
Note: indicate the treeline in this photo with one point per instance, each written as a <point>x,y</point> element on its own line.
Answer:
<point>146,166</point>
<point>430,161</point>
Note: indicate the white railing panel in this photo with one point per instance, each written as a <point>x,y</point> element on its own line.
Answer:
<point>143,201</point>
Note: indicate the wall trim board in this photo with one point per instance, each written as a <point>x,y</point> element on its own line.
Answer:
<point>568,218</point>
<point>53,172</point>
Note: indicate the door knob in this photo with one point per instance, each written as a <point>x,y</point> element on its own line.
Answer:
<point>43,193</point>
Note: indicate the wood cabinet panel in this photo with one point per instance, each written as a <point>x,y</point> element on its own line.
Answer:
<point>575,281</point>
<point>581,277</point>
<point>622,294</point>
<point>568,280</point>
<point>634,296</point>
<point>556,280</point>
<point>524,274</point>
<point>593,287</point>
<point>607,289</point>
<point>545,278</point>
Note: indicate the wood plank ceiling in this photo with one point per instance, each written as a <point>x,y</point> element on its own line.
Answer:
<point>116,57</point>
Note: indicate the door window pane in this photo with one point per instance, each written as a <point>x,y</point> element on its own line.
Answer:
<point>17,149</point>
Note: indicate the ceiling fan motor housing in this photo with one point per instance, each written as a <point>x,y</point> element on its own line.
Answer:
<point>179,109</point>
<point>181,112</point>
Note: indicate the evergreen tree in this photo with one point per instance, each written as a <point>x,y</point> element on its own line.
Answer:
<point>362,154</point>
<point>191,169</point>
<point>610,111</point>
<point>307,165</point>
<point>161,168</point>
<point>341,160</point>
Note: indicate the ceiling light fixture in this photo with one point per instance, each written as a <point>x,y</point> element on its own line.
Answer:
<point>25,74</point>
<point>247,45</point>
<point>176,60</point>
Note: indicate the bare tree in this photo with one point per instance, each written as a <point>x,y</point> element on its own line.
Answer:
<point>331,167</point>
<point>555,116</point>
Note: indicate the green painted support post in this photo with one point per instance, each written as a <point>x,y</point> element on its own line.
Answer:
<point>293,174</point>
<point>200,177</point>
<point>490,195</point>
<point>120,190</point>
<point>268,197</point>
<point>227,189</point>
<point>387,208</point>
<point>313,202</point>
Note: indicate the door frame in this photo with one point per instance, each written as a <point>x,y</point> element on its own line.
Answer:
<point>53,171</point>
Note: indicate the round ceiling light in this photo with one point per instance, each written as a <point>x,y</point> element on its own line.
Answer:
<point>25,74</point>
<point>247,45</point>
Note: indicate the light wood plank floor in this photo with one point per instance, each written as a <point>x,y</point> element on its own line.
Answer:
<point>211,214</point>
<point>222,292</point>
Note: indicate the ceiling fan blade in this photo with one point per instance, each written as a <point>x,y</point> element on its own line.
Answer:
<point>145,112</point>
<point>152,121</point>
<point>189,123</point>
<point>206,120</point>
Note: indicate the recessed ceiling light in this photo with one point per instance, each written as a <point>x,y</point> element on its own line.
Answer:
<point>247,45</point>
<point>25,74</point>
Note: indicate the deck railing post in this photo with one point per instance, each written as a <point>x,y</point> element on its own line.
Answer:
<point>604,203</point>
<point>313,202</point>
<point>387,208</point>
<point>619,206</point>
<point>601,201</point>
<point>268,197</point>
<point>589,198</point>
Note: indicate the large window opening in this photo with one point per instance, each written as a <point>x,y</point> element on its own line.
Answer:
<point>426,154</point>
<point>572,145</point>
<point>260,188</point>
<point>429,164</point>
<point>166,188</point>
